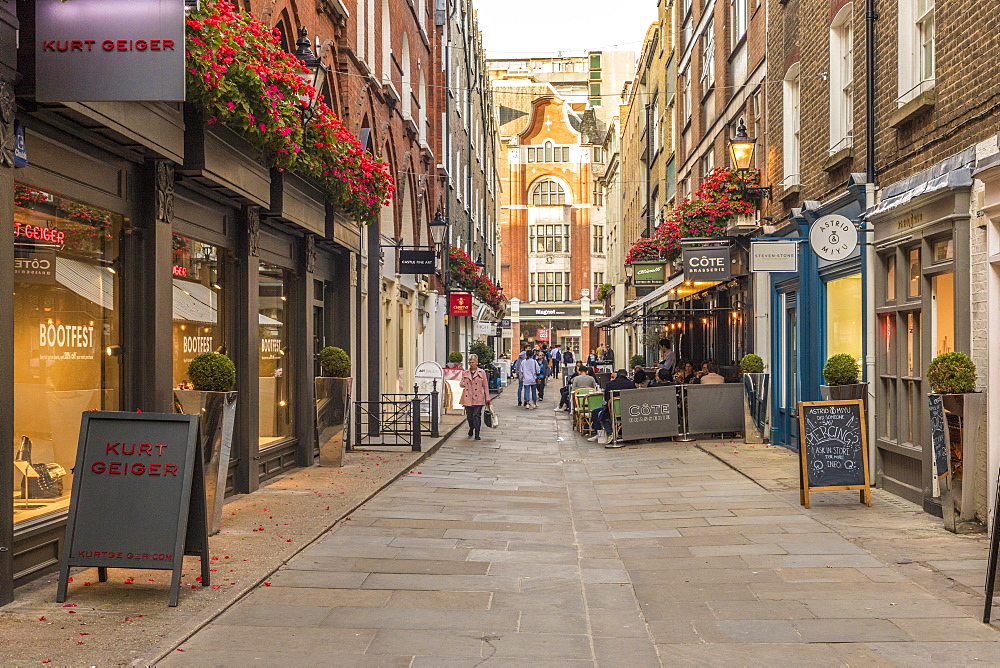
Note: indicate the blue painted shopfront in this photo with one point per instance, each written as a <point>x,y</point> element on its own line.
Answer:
<point>816,312</point>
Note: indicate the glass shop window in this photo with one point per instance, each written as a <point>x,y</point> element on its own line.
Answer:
<point>66,352</point>
<point>844,331</point>
<point>275,418</point>
<point>198,296</point>
<point>913,278</point>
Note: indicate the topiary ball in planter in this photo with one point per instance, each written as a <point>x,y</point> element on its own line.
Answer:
<point>952,373</point>
<point>483,351</point>
<point>455,358</point>
<point>212,372</point>
<point>841,369</point>
<point>334,362</point>
<point>752,363</point>
<point>636,360</point>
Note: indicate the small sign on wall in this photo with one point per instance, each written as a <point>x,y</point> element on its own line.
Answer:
<point>774,256</point>
<point>460,304</point>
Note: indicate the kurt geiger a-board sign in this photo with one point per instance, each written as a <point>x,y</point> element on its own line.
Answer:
<point>109,50</point>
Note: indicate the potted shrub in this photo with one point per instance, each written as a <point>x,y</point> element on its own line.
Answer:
<point>636,360</point>
<point>755,385</point>
<point>455,360</point>
<point>212,377</point>
<point>953,377</point>
<point>333,399</point>
<point>841,373</point>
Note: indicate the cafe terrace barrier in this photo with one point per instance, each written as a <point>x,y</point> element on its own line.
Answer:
<point>681,410</point>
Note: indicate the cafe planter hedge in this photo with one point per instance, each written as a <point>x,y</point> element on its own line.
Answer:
<point>953,376</point>
<point>841,373</point>
<point>755,387</point>
<point>212,377</point>
<point>333,399</point>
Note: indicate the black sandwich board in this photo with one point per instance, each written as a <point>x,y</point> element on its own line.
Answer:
<point>939,435</point>
<point>991,564</point>
<point>138,497</point>
<point>834,447</point>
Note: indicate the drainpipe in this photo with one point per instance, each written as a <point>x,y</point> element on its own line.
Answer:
<point>870,257</point>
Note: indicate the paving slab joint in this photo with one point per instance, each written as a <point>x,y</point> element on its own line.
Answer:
<point>213,614</point>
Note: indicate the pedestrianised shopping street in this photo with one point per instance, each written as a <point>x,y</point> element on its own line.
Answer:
<point>482,332</point>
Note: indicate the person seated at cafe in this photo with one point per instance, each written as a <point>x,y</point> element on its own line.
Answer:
<point>668,360</point>
<point>602,416</point>
<point>710,375</point>
<point>581,378</point>
<point>686,375</point>
<point>663,378</point>
<point>639,377</point>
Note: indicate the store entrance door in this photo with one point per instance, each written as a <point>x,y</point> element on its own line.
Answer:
<point>785,429</point>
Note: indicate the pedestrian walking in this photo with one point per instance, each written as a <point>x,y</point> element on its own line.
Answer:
<point>556,358</point>
<point>475,395</point>
<point>527,374</point>
<point>568,359</point>
<point>514,370</point>
<point>543,372</point>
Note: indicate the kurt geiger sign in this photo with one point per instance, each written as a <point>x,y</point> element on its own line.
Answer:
<point>109,50</point>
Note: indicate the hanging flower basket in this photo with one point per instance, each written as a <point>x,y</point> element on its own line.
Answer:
<point>465,274</point>
<point>238,75</point>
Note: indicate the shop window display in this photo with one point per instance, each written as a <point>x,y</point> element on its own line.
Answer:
<point>198,277</point>
<point>65,338</point>
<point>275,418</point>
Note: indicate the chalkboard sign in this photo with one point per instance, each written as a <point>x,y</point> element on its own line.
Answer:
<point>991,564</point>
<point>939,434</point>
<point>834,452</point>
<point>138,497</point>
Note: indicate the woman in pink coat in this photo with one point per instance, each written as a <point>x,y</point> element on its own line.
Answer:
<point>475,395</point>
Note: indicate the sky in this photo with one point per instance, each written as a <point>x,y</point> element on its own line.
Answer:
<point>515,28</point>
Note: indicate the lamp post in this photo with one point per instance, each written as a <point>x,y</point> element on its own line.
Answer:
<point>439,234</point>
<point>314,63</point>
<point>741,149</point>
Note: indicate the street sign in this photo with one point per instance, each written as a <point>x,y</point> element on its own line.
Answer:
<point>707,263</point>
<point>834,447</point>
<point>833,237</point>
<point>417,261</point>
<point>109,50</point>
<point>649,273</point>
<point>138,497</point>
<point>774,256</point>
<point>460,304</point>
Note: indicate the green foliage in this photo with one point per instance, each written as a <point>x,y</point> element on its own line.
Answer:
<point>334,362</point>
<point>752,364</point>
<point>455,358</point>
<point>841,369</point>
<point>212,372</point>
<point>636,360</point>
<point>605,291</point>
<point>952,373</point>
<point>483,351</point>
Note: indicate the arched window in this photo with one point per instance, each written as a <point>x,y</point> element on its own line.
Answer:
<point>548,193</point>
<point>548,151</point>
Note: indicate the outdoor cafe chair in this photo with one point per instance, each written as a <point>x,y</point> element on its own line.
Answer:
<point>577,404</point>
<point>591,402</point>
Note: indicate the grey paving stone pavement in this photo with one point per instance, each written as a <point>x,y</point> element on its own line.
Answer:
<point>534,547</point>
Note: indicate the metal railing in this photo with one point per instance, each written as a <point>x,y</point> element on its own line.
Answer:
<point>396,420</point>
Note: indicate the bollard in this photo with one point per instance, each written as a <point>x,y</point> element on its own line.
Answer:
<point>415,423</point>
<point>434,410</point>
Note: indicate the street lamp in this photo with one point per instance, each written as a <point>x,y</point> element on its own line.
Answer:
<point>741,149</point>
<point>314,63</point>
<point>438,228</point>
<point>479,263</point>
